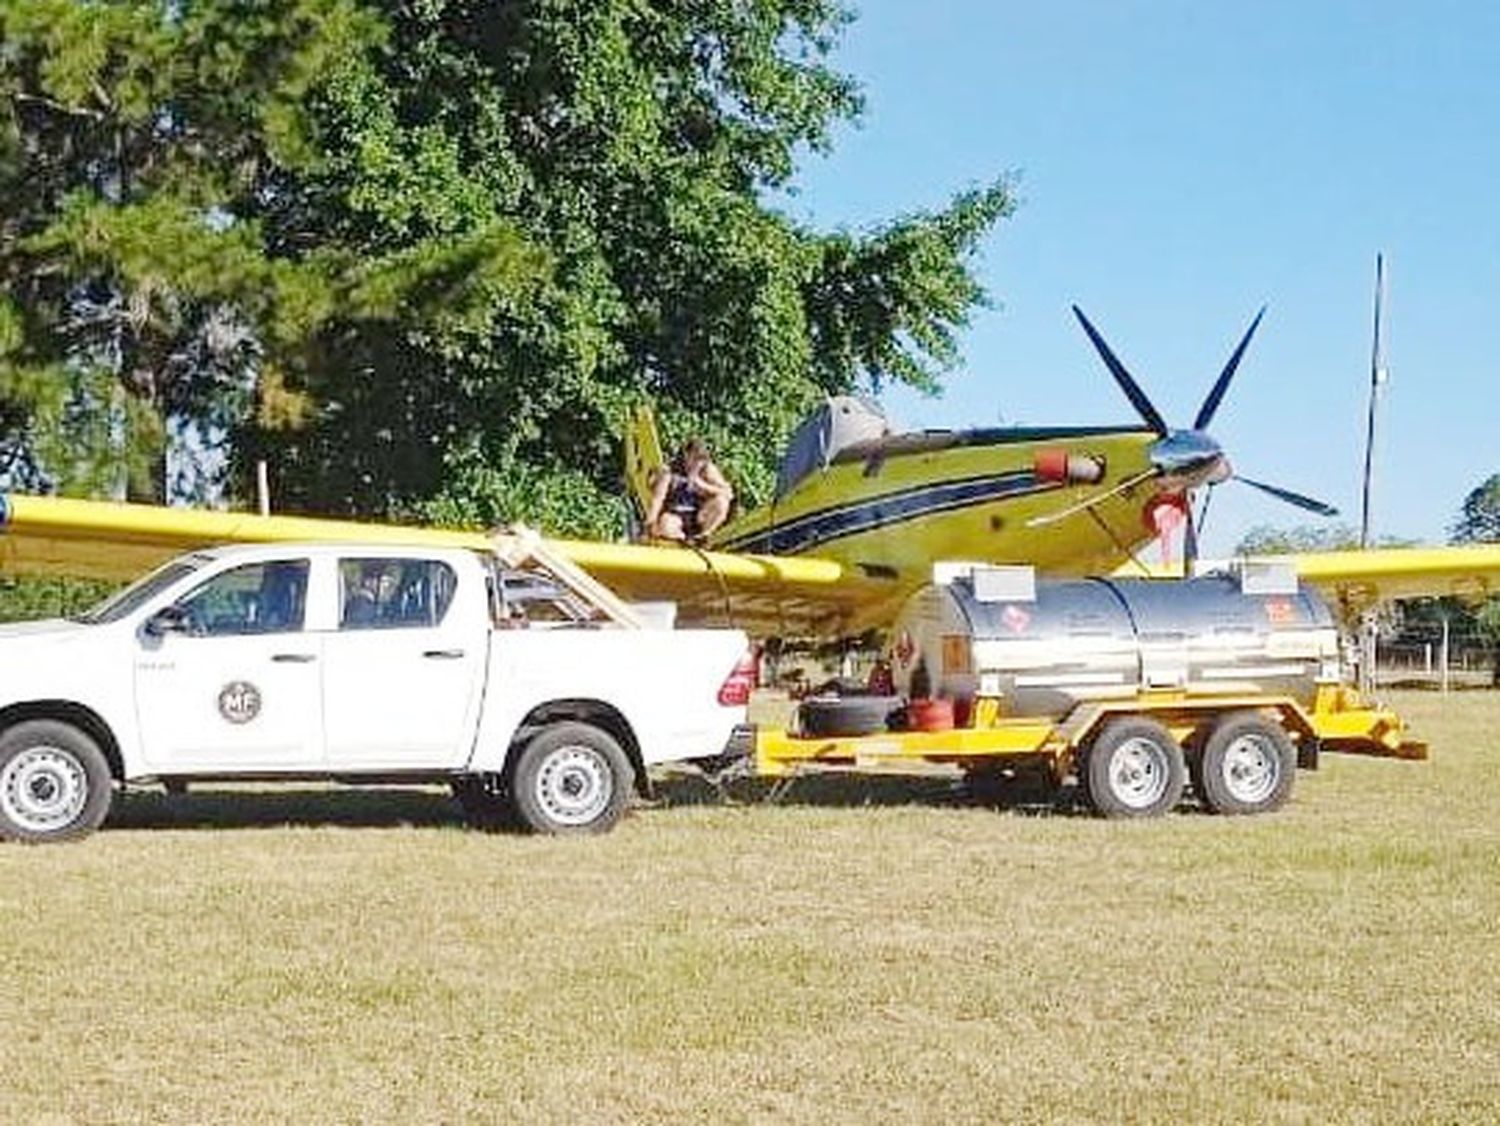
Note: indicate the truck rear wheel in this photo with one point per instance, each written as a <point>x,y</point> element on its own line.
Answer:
<point>1134,768</point>
<point>1248,765</point>
<point>571,778</point>
<point>54,782</point>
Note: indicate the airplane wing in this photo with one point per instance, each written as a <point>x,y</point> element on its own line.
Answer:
<point>765,595</point>
<point>1354,580</point>
<point>1358,579</point>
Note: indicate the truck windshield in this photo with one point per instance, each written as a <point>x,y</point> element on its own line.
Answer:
<point>125,602</point>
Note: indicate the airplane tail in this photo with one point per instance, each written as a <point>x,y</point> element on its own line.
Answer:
<point>643,457</point>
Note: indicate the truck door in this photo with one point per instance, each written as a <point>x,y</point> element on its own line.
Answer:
<point>404,668</point>
<point>236,687</point>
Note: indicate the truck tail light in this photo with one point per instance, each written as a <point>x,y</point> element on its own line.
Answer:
<point>743,679</point>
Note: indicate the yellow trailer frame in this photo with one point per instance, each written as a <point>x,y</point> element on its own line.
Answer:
<point>1339,721</point>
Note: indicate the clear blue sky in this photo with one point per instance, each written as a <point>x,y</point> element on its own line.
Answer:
<point>1179,165</point>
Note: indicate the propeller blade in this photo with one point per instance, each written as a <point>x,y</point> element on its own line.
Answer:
<point>1143,405</point>
<point>1221,385</point>
<point>1063,513</point>
<point>1290,497</point>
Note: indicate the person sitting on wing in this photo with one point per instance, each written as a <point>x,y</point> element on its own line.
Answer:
<point>690,498</point>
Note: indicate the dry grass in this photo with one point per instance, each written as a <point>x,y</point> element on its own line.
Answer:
<point>855,956</point>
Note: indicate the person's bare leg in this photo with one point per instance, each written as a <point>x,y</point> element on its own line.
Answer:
<point>712,513</point>
<point>668,526</point>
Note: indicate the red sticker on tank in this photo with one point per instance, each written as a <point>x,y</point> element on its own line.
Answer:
<point>1280,612</point>
<point>1016,619</point>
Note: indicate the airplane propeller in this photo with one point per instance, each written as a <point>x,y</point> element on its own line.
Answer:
<point>1183,460</point>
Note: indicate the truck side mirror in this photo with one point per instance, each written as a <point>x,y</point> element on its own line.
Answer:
<point>169,619</point>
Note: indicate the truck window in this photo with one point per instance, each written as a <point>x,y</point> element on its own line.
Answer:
<point>125,602</point>
<point>527,598</point>
<point>255,598</point>
<point>394,593</point>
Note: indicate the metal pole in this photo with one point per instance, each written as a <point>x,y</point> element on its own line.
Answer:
<point>1377,377</point>
<point>263,487</point>
<point>1443,656</point>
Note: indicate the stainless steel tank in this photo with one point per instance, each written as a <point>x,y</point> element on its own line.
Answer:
<point>1043,649</point>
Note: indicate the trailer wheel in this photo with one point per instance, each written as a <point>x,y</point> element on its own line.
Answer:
<point>54,782</point>
<point>1249,765</point>
<point>1134,768</point>
<point>571,778</point>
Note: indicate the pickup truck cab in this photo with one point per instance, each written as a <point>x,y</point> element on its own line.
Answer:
<point>364,663</point>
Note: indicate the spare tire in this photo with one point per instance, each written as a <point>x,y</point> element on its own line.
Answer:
<point>847,715</point>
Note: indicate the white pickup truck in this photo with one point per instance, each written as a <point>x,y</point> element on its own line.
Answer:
<point>360,663</point>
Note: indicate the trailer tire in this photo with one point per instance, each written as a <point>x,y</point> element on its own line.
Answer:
<point>1133,768</point>
<point>571,779</point>
<point>1249,765</point>
<point>55,782</point>
<point>847,715</point>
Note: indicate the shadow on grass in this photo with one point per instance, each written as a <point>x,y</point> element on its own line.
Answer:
<point>241,808</point>
<point>218,806</point>
<point>849,791</point>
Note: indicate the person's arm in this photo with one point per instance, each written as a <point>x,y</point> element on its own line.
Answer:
<point>710,482</point>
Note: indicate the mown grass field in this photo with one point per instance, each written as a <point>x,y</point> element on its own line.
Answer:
<point>868,953</point>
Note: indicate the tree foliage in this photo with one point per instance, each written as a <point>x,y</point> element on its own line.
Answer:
<point>423,254</point>
<point>1269,539</point>
<point>1479,518</point>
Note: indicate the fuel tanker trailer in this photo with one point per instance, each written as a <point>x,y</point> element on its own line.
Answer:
<point>1138,687</point>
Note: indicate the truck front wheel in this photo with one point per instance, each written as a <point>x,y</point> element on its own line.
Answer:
<point>1248,765</point>
<point>571,778</point>
<point>54,782</point>
<point>1134,768</point>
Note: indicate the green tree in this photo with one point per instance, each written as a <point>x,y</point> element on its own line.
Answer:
<point>1479,518</point>
<point>141,296</point>
<point>450,242</point>
<point>1267,539</point>
<point>1479,522</point>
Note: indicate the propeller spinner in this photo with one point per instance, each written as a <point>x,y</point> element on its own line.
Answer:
<point>1183,460</point>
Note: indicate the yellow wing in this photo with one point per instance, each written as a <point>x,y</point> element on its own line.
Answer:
<point>1357,579</point>
<point>762,594</point>
<point>766,595</point>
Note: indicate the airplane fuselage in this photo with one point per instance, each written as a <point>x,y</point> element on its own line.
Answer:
<point>892,507</point>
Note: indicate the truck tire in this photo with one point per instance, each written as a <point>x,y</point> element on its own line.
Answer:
<point>1249,765</point>
<point>1133,768</point>
<point>485,803</point>
<point>847,715</point>
<point>571,778</point>
<point>54,782</point>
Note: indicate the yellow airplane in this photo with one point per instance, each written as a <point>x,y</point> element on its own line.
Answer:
<point>852,532</point>
<point>1070,500</point>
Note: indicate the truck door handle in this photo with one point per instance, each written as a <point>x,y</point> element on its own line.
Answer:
<point>293,658</point>
<point>443,654</point>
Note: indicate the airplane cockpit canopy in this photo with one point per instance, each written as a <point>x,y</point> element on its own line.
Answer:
<point>841,422</point>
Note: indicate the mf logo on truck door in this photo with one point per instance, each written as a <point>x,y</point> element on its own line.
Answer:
<point>239,702</point>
